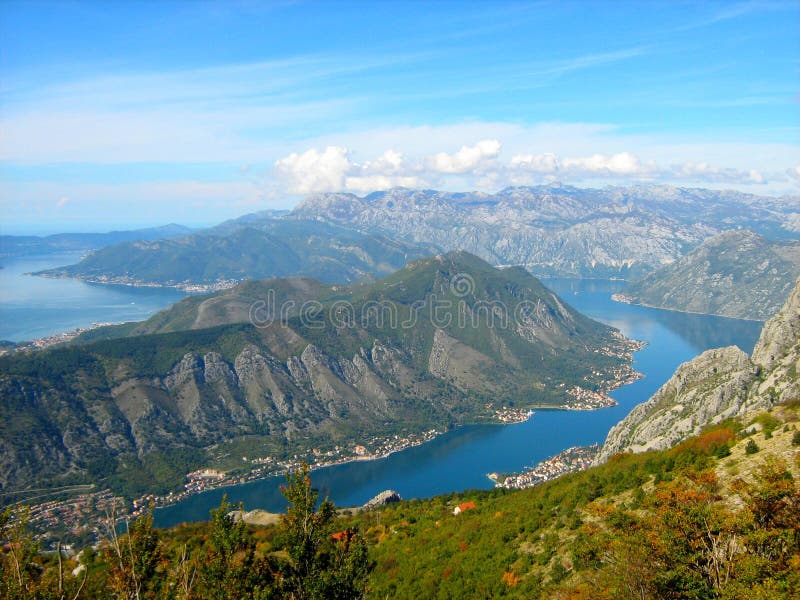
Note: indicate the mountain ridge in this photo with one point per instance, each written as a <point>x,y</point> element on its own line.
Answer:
<point>561,230</point>
<point>22,245</point>
<point>247,248</point>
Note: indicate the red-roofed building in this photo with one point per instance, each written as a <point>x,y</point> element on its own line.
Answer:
<point>462,507</point>
<point>342,536</point>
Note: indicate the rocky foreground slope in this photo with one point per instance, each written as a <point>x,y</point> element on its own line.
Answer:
<point>737,274</point>
<point>718,384</point>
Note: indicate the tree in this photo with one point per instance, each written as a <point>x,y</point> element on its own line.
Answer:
<point>321,565</point>
<point>230,568</point>
<point>18,572</point>
<point>23,571</point>
<point>133,560</point>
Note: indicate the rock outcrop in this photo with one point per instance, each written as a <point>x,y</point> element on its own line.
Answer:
<point>385,497</point>
<point>718,384</point>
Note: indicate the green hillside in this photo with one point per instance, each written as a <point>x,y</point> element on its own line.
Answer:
<point>737,274</point>
<point>642,525</point>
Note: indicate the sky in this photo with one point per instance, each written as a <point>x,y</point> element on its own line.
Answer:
<point>120,114</point>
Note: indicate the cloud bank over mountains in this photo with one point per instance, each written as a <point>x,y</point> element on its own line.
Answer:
<point>481,166</point>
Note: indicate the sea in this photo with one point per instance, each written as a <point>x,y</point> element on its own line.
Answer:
<point>36,307</point>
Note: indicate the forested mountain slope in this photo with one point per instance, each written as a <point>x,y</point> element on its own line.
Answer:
<point>736,274</point>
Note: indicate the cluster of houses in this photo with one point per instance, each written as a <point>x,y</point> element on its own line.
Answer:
<point>572,459</point>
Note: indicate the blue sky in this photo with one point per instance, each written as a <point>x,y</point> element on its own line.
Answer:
<point>117,114</point>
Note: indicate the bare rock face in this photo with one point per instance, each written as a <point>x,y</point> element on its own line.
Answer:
<point>780,334</point>
<point>777,352</point>
<point>718,384</point>
<point>385,497</point>
<point>216,369</point>
<point>185,371</point>
<point>708,389</point>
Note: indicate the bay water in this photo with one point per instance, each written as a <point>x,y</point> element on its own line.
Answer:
<point>35,307</point>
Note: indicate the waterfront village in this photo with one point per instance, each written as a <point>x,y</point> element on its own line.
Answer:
<point>50,520</point>
<point>192,288</point>
<point>570,460</point>
<point>86,515</point>
<point>83,516</point>
<point>51,340</point>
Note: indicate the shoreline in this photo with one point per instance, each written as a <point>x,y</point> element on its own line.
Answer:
<point>63,337</point>
<point>623,299</point>
<point>189,288</point>
<point>170,500</point>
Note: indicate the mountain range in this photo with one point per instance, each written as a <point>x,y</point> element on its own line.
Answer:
<point>558,230</point>
<point>554,230</point>
<point>737,274</point>
<point>446,340</point>
<point>24,245</point>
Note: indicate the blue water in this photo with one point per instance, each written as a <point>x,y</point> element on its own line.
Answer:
<point>35,307</point>
<point>460,459</point>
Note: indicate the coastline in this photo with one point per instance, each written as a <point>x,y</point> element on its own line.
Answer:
<point>623,299</point>
<point>49,341</point>
<point>501,417</point>
<point>191,288</point>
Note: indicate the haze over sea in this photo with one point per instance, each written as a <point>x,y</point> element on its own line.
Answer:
<point>460,459</point>
<point>36,307</point>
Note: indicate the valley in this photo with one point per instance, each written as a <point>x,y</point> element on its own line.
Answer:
<point>139,411</point>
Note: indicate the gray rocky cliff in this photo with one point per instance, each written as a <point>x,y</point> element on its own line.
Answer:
<point>780,334</point>
<point>719,384</point>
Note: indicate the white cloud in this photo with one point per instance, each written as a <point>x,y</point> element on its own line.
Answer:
<point>536,163</point>
<point>390,161</point>
<point>704,172</point>
<point>622,163</point>
<point>62,201</point>
<point>332,170</point>
<point>314,171</point>
<point>794,173</point>
<point>469,158</point>
<point>476,167</point>
<point>370,183</point>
